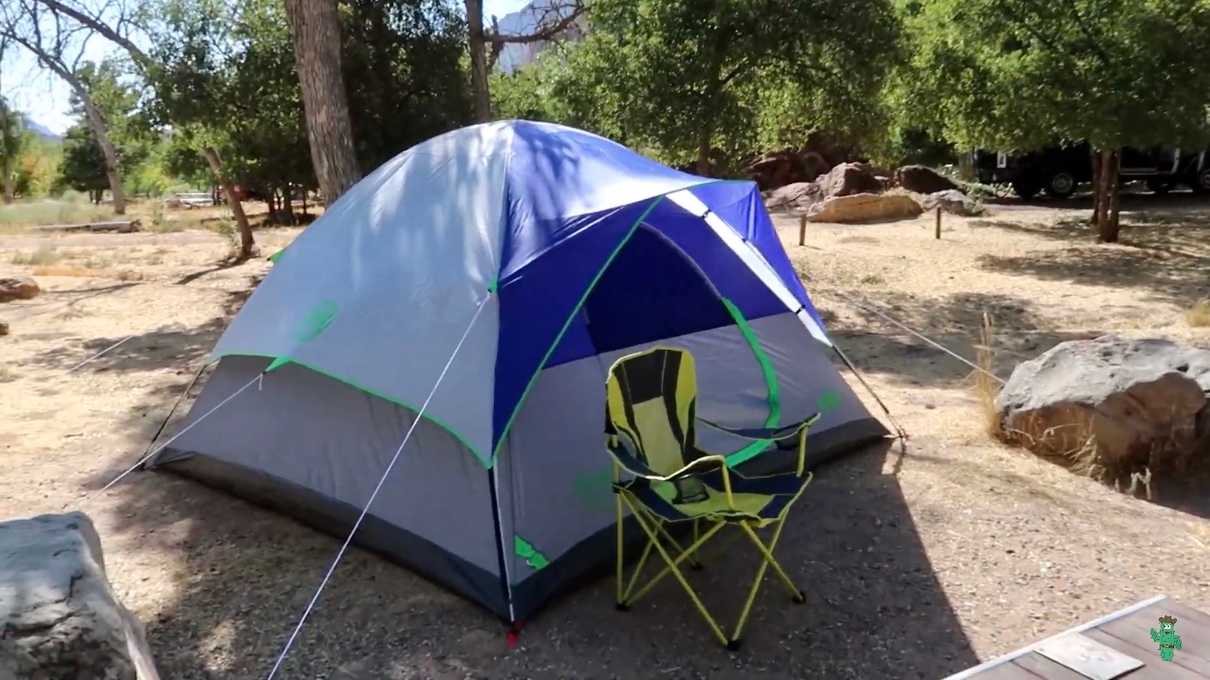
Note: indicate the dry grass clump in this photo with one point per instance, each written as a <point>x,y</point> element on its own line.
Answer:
<point>1199,314</point>
<point>89,272</point>
<point>986,387</point>
<point>45,254</point>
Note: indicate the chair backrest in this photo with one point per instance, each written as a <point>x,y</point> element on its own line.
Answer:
<point>650,400</point>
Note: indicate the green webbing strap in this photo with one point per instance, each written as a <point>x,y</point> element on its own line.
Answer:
<point>770,375</point>
<point>528,553</point>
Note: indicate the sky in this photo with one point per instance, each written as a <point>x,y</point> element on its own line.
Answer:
<point>44,98</point>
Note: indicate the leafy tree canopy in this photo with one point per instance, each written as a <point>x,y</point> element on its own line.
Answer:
<point>1019,74</point>
<point>681,79</point>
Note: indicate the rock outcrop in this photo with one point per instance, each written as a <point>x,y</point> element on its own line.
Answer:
<point>1129,403</point>
<point>58,614</point>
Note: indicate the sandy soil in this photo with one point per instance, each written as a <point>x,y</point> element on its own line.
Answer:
<point>917,563</point>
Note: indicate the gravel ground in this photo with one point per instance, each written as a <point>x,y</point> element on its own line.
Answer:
<point>917,562</point>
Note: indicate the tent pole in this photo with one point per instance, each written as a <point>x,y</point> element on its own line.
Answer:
<point>900,433</point>
<point>176,405</point>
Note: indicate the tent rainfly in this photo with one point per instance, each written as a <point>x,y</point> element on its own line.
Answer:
<point>534,255</point>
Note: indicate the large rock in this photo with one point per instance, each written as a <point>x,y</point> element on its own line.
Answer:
<point>864,208</point>
<point>1131,403</point>
<point>799,197</point>
<point>848,179</point>
<point>924,180</point>
<point>779,168</point>
<point>58,614</point>
<point>17,288</point>
<point>951,201</point>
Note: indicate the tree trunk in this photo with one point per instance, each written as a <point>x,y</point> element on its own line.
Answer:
<point>10,181</point>
<point>1115,196</point>
<point>315,29</point>
<point>288,203</point>
<point>474,20</point>
<point>1107,231</point>
<point>237,209</point>
<point>1096,188</point>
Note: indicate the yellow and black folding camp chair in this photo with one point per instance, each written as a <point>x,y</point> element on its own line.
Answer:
<point>663,478</point>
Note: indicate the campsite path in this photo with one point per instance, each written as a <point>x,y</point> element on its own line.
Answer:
<point>915,565</point>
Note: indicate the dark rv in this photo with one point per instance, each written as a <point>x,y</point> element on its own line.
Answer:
<point>1059,170</point>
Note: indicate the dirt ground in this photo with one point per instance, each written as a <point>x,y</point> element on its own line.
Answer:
<point>916,564</point>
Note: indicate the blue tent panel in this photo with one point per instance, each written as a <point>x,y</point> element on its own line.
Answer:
<point>556,173</point>
<point>740,205</point>
<point>539,302</point>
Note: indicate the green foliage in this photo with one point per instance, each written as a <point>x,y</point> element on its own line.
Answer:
<point>130,131</point>
<point>685,79</point>
<point>13,140</point>
<point>38,167</point>
<point>404,72</point>
<point>1019,74</point>
<point>83,164</point>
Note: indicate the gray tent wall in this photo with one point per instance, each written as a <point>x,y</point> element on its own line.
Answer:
<point>314,448</point>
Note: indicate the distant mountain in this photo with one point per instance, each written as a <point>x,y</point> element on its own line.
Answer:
<point>42,131</point>
<point>525,21</point>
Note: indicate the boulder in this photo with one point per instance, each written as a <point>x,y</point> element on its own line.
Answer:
<point>951,201</point>
<point>1130,403</point>
<point>864,208</point>
<point>17,288</point>
<point>779,168</point>
<point>58,615</point>
<point>797,197</point>
<point>848,179</point>
<point>924,180</point>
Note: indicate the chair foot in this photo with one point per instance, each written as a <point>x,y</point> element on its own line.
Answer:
<point>800,598</point>
<point>621,606</point>
<point>734,645</point>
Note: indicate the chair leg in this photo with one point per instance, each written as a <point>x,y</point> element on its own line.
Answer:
<point>693,563</point>
<point>683,556</point>
<point>766,561</point>
<point>672,565</point>
<point>767,553</point>
<point>620,601</point>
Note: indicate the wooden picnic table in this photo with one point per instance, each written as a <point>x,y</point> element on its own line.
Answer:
<point>1126,632</point>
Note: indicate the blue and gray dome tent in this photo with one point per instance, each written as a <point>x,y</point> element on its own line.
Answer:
<point>535,255</point>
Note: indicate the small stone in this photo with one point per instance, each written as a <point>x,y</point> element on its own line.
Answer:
<point>18,288</point>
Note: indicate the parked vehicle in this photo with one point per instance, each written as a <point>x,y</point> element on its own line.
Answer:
<point>1059,170</point>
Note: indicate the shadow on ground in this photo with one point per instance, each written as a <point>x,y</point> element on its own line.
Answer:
<point>1166,254</point>
<point>878,346</point>
<point>874,607</point>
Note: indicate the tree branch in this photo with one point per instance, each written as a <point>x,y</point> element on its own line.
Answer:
<point>543,31</point>
<point>104,30</point>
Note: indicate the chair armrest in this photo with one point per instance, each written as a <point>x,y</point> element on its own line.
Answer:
<point>634,466</point>
<point>766,433</point>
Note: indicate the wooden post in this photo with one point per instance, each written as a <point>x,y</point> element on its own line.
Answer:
<point>802,230</point>
<point>937,233</point>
